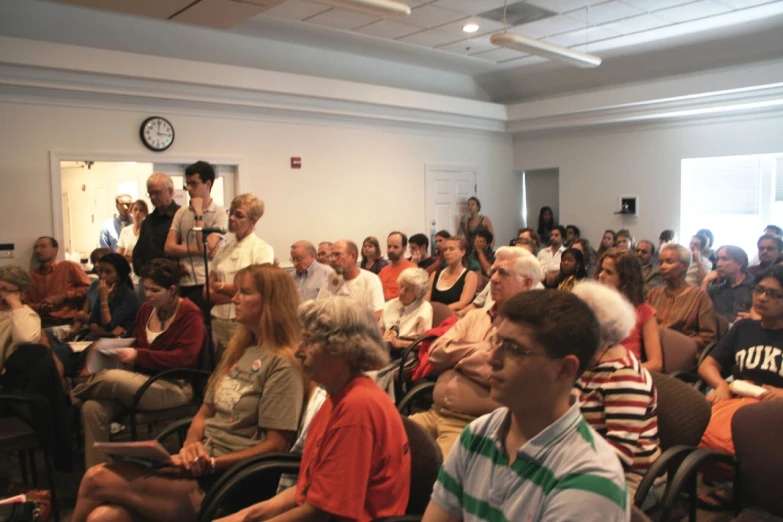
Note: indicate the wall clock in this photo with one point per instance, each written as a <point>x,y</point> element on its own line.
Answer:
<point>157,133</point>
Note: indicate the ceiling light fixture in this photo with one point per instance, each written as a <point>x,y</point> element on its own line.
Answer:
<point>470,28</point>
<point>383,8</point>
<point>545,49</point>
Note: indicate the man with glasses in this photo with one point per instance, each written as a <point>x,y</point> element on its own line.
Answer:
<point>536,458</point>
<point>155,227</point>
<point>461,392</point>
<point>770,247</point>
<point>645,251</point>
<point>184,241</point>
<point>309,275</point>
<point>351,281</point>
<point>110,231</point>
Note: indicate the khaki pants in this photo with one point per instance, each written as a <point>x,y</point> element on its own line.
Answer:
<point>109,393</point>
<point>222,332</point>
<point>444,426</point>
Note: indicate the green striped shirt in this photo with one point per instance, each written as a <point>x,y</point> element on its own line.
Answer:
<point>565,473</point>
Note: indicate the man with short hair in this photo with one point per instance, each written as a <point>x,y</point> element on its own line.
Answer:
<point>645,251</point>
<point>460,355</point>
<point>418,244</point>
<point>57,288</point>
<point>572,234</point>
<point>549,257</point>
<point>536,458</point>
<point>770,247</point>
<point>773,230</point>
<point>309,275</point>
<point>184,240</point>
<point>350,280</point>
<point>324,251</point>
<point>624,240</point>
<point>155,227</point>
<point>110,231</point>
<point>732,293</point>
<point>667,236</point>
<point>396,244</point>
<point>482,249</point>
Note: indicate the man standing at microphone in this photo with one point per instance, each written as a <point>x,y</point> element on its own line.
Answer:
<point>184,240</point>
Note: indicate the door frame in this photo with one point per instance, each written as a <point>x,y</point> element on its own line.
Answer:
<point>57,156</point>
<point>449,167</point>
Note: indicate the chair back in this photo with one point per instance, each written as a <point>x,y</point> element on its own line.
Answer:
<point>679,351</point>
<point>637,515</point>
<point>440,312</point>
<point>723,326</point>
<point>683,412</point>
<point>426,460</point>
<point>756,430</point>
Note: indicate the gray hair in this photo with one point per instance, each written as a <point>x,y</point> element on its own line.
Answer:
<point>159,177</point>
<point>614,312</point>
<point>347,329</point>
<point>306,246</point>
<point>416,278</point>
<point>686,258</point>
<point>254,204</point>
<point>15,275</point>
<point>525,263</point>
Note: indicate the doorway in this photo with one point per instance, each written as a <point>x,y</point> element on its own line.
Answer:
<point>540,188</point>
<point>447,191</point>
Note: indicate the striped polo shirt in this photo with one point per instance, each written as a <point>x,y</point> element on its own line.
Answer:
<point>619,400</point>
<point>565,473</point>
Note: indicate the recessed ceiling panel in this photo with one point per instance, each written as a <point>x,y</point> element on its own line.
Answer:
<point>297,10</point>
<point>605,13</point>
<point>548,27</point>
<point>219,14</point>
<point>342,19</point>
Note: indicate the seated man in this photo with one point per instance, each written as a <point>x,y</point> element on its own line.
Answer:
<point>461,393</point>
<point>645,251</point>
<point>482,250</point>
<point>57,288</point>
<point>418,246</point>
<point>770,247</point>
<point>536,459</point>
<point>351,281</point>
<point>396,244</point>
<point>730,287</point>
<point>309,275</point>
<point>324,251</point>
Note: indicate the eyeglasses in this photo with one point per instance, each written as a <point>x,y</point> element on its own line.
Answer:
<point>509,347</point>
<point>772,294</point>
<point>236,214</point>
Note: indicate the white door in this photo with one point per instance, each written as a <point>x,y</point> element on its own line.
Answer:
<point>448,190</point>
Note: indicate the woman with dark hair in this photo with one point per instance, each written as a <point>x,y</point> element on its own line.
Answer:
<point>129,235</point>
<point>583,245</point>
<point>707,251</point>
<point>607,242</point>
<point>454,285</point>
<point>546,222</point>
<point>115,310</point>
<point>729,285</point>
<point>169,332</point>
<point>372,259</point>
<point>572,269</point>
<point>622,271</point>
<point>252,406</point>
<point>474,222</point>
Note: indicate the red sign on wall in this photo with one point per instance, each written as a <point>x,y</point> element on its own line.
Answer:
<point>296,163</point>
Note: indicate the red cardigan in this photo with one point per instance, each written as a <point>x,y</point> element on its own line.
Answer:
<point>177,347</point>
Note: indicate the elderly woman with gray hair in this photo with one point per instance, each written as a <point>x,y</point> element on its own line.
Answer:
<point>19,324</point>
<point>407,317</point>
<point>616,393</point>
<point>356,463</point>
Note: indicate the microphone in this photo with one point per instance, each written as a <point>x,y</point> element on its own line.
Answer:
<point>210,230</point>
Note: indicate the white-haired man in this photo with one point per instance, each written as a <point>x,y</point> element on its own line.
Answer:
<point>461,354</point>
<point>309,275</point>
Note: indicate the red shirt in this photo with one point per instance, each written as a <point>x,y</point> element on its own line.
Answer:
<point>357,462</point>
<point>634,342</point>
<point>177,347</point>
<point>63,277</point>
<point>389,275</point>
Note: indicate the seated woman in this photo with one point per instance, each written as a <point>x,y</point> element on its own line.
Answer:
<point>356,463</point>
<point>19,324</point>
<point>572,269</point>
<point>623,272</point>
<point>407,317</point>
<point>454,285</point>
<point>115,311</point>
<point>252,406</point>
<point>681,306</point>
<point>372,259</point>
<point>169,333</point>
<point>617,395</point>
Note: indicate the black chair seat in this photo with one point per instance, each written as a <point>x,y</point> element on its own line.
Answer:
<point>16,434</point>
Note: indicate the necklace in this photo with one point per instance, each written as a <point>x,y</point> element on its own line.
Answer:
<point>165,315</point>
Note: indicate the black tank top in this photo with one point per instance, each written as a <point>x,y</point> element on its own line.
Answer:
<point>451,295</point>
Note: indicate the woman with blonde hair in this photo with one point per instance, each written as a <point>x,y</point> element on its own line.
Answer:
<point>252,406</point>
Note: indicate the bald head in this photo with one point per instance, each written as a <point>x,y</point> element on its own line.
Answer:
<point>344,256</point>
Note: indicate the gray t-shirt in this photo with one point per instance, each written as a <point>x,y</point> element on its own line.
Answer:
<point>263,391</point>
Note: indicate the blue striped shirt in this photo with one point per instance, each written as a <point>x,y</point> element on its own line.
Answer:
<point>565,473</point>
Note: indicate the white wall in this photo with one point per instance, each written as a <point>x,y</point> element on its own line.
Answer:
<point>597,166</point>
<point>355,181</point>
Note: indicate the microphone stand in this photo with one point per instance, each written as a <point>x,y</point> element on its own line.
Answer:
<point>207,313</point>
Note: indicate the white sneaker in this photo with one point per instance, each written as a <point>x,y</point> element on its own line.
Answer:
<point>116,427</point>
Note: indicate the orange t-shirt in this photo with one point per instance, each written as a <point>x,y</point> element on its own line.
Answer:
<point>356,463</point>
<point>389,275</point>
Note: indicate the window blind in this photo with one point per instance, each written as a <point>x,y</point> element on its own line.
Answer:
<point>727,186</point>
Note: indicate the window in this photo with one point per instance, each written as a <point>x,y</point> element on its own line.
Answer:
<point>735,197</point>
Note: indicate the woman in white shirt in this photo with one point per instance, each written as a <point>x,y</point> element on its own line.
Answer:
<point>130,234</point>
<point>408,316</point>
<point>19,324</point>
<point>246,249</point>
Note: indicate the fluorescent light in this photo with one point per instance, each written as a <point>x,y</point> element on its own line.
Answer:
<point>470,28</point>
<point>384,8</point>
<point>545,49</point>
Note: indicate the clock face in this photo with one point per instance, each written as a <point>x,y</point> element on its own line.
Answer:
<point>157,133</point>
